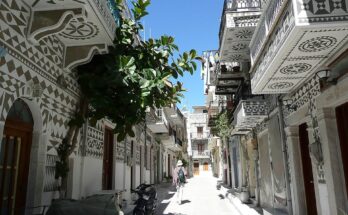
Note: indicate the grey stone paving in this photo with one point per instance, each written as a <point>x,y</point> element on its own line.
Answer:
<point>200,197</point>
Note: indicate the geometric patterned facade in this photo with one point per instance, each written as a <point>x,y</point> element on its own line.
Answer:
<point>33,66</point>
<point>248,114</point>
<point>308,32</point>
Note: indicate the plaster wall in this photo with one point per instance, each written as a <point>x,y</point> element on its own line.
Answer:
<point>92,176</point>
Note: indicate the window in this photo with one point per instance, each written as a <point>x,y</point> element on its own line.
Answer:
<point>200,148</point>
<point>199,132</point>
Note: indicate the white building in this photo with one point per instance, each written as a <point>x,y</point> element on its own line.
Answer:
<point>40,43</point>
<point>198,140</point>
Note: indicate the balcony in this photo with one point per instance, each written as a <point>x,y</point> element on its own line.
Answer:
<point>248,114</point>
<point>175,116</point>
<point>156,121</point>
<point>170,142</point>
<point>199,135</point>
<point>200,154</point>
<point>228,78</point>
<point>239,19</point>
<point>294,39</point>
<point>83,28</point>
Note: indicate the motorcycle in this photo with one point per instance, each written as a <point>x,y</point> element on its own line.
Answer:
<point>147,199</point>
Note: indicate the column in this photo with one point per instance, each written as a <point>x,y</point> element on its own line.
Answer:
<point>297,187</point>
<point>333,169</point>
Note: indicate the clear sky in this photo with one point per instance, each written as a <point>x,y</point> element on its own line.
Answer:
<point>195,25</point>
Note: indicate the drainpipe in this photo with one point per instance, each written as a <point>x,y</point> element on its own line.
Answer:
<point>285,155</point>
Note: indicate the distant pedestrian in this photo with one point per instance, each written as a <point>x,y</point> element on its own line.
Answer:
<point>179,180</point>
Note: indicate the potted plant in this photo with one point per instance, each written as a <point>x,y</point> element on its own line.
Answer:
<point>244,195</point>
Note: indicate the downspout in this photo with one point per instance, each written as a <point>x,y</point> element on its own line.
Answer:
<point>285,155</point>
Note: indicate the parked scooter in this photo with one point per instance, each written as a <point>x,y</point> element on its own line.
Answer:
<point>147,199</point>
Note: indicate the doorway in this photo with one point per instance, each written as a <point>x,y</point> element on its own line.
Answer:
<point>168,163</point>
<point>342,125</point>
<point>205,166</point>
<point>108,159</point>
<point>307,170</point>
<point>14,159</point>
<point>196,168</point>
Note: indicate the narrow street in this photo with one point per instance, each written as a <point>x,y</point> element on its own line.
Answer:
<point>200,197</point>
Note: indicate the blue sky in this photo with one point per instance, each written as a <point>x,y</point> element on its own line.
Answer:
<point>195,25</point>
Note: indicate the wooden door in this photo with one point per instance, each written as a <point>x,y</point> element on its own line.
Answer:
<point>206,166</point>
<point>307,171</point>
<point>196,168</point>
<point>342,124</point>
<point>15,158</point>
<point>108,159</point>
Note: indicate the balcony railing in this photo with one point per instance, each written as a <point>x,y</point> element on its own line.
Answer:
<point>200,154</point>
<point>199,135</point>
<point>292,41</point>
<point>266,22</point>
<point>236,5</point>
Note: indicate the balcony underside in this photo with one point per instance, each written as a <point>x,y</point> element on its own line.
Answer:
<point>159,127</point>
<point>83,27</point>
<point>237,33</point>
<point>299,45</point>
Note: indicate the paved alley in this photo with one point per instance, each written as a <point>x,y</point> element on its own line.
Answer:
<point>200,197</point>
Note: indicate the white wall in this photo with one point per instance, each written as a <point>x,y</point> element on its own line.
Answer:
<point>91,176</point>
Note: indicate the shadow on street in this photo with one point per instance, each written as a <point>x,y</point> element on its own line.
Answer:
<point>166,192</point>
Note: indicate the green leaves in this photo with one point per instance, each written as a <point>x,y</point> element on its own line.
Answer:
<point>133,75</point>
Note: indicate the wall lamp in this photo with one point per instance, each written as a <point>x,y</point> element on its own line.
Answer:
<point>289,104</point>
<point>324,78</point>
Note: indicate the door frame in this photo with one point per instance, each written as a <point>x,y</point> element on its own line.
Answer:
<point>307,170</point>
<point>38,152</point>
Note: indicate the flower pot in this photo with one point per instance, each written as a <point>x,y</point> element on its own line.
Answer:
<point>244,196</point>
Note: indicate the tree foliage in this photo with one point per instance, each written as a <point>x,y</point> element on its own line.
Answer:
<point>223,125</point>
<point>134,75</point>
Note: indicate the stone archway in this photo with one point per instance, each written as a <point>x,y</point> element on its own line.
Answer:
<point>37,150</point>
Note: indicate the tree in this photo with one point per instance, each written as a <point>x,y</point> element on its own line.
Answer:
<point>122,84</point>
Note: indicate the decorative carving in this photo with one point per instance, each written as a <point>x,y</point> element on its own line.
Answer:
<point>317,44</point>
<point>51,184</point>
<point>95,143</point>
<point>296,68</point>
<point>244,34</point>
<point>239,46</point>
<point>280,85</point>
<point>80,30</point>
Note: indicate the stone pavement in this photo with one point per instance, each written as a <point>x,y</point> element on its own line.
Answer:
<point>201,197</point>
